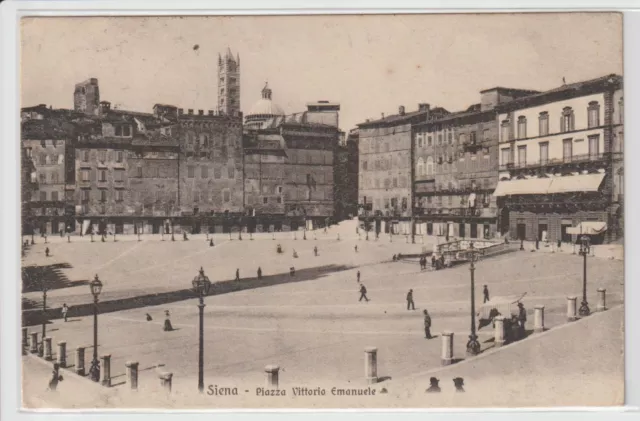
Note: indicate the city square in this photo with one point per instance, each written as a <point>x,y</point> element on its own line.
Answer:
<point>314,328</point>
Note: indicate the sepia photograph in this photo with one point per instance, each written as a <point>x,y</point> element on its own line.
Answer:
<point>322,211</point>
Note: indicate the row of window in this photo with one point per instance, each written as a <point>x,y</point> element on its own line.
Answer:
<point>102,155</point>
<point>53,179</point>
<point>428,140</point>
<point>118,174</point>
<point>265,200</point>
<point>427,167</point>
<point>46,159</point>
<point>385,183</point>
<point>567,152</point>
<point>385,163</point>
<point>204,172</point>
<point>388,202</point>
<point>461,201</point>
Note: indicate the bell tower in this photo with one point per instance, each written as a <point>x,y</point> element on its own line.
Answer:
<point>228,84</point>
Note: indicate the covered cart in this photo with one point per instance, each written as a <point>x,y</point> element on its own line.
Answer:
<point>505,306</point>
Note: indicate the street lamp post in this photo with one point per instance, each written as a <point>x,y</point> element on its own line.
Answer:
<point>201,285</point>
<point>585,248</point>
<point>96,288</point>
<point>45,288</point>
<point>473,346</point>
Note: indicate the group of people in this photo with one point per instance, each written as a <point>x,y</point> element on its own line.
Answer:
<point>434,387</point>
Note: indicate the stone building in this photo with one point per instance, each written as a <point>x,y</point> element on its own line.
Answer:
<point>456,169</point>
<point>385,174</point>
<point>229,84</point>
<point>346,176</point>
<point>561,164</point>
<point>263,110</point>
<point>86,97</point>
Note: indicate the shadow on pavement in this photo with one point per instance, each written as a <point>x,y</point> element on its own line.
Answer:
<point>34,317</point>
<point>52,276</point>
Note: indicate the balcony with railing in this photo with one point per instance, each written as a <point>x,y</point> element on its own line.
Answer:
<point>575,159</point>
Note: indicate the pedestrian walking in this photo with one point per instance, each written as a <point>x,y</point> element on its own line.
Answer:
<point>259,272</point>
<point>485,292</point>
<point>56,377</point>
<point>211,242</point>
<point>167,322</point>
<point>434,388</point>
<point>358,276</point>
<point>363,293</point>
<point>65,311</point>
<point>46,251</point>
<point>315,250</point>
<point>410,303</point>
<point>237,274</point>
<point>427,325</point>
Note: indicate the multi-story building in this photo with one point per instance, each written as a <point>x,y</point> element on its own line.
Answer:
<point>86,97</point>
<point>346,176</point>
<point>385,174</point>
<point>456,169</point>
<point>561,163</point>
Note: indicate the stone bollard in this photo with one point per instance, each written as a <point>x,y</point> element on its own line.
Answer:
<point>499,331</point>
<point>47,349</point>
<point>538,319</point>
<point>25,338</point>
<point>165,381</point>
<point>105,373</point>
<point>602,299</point>
<point>371,365</point>
<point>33,345</point>
<point>571,309</point>
<point>132,374</point>
<point>447,348</point>
<point>62,354</point>
<point>80,361</point>
<point>272,376</point>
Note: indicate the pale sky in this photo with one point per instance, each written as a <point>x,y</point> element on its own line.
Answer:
<point>369,64</point>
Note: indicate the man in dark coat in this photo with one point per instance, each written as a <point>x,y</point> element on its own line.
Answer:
<point>358,275</point>
<point>410,303</point>
<point>167,322</point>
<point>427,325</point>
<point>522,318</point>
<point>485,292</point>
<point>434,388</point>
<point>56,377</point>
<point>237,274</point>
<point>259,272</point>
<point>46,251</point>
<point>459,383</point>
<point>363,293</point>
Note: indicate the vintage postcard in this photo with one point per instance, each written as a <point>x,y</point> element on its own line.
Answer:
<point>356,211</point>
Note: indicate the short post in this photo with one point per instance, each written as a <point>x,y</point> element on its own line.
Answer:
<point>47,349</point>
<point>132,374</point>
<point>80,361</point>
<point>602,297</point>
<point>447,348</point>
<point>371,365</point>
<point>272,376</point>
<point>33,345</point>
<point>538,319</point>
<point>106,370</point>
<point>499,331</point>
<point>571,309</point>
<point>165,381</point>
<point>62,354</point>
<point>25,338</point>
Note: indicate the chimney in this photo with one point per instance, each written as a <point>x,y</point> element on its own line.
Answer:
<point>200,112</point>
<point>401,110</point>
<point>180,111</point>
<point>423,107</point>
<point>382,115</point>
<point>190,111</point>
<point>210,113</point>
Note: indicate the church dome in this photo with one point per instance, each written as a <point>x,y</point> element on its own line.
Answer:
<point>263,110</point>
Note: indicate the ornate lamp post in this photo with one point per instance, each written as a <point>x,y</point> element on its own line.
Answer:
<point>44,288</point>
<point>96,288</point>
<point>201,285</point>
<point>585,248</point>
<point>473,346</point>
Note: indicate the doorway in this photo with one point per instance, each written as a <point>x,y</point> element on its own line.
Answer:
<point>521,230</point>
<point>542,228</point>
<point>474,230</point>
<point>461,230</point>
<point>155,228</point>
<point>119,227</point>
<point>564,236</point>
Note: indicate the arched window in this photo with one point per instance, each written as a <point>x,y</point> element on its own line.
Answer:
<point>567,120</point>
<point>421,169</point>
<point>429,165</point>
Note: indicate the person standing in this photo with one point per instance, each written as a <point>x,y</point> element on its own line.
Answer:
<point>434,388</point>
<point>458,382</point>
<point>363,293</point>
<point>237,274</point>
<point>485,292</point>
<point>315,250</point>
<point>522,319</point>
<point>358,275</point>
<point>259,272</point>
<point>167,322</point>
<point>65,310</point>
<point>427,325</point>
<point>410,303</point>
<point>356,248</point>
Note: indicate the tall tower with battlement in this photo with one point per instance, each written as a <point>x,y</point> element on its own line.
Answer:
<point>86,97</point>
<point>228,84</point>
